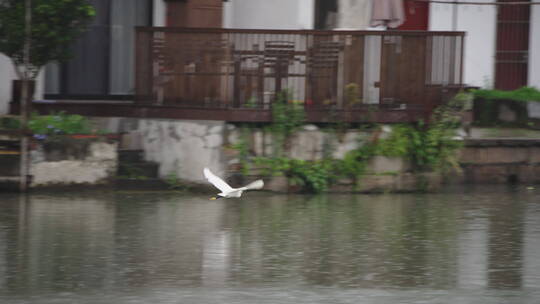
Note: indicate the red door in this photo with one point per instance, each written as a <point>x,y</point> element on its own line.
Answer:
<point>416,16</point>
<point>511,59</point>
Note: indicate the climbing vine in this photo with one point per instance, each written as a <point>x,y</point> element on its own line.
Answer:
<point>487,104</point>
<point>521,94</point>
<point>428,146</point>
<point>287,117</point>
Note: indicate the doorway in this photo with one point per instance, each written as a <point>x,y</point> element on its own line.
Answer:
<point>512,53</point>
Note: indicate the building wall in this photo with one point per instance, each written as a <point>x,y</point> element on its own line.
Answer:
<point>180,147</point>
<point>263,14</point>
<point>534,47</point>
<point>185,147</point>
<point>353,15</point>
<point>58,165</point>
<point>6,76</point>
<point>479,23</point>
<point>159,8</point>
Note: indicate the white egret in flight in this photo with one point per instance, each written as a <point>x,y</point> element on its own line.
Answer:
<point>226,190</point>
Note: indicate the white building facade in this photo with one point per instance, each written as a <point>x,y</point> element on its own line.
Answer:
<point>481,45</point>
<point>478,21</point>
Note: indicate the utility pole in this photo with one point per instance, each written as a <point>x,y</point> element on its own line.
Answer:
<point>25,98</point>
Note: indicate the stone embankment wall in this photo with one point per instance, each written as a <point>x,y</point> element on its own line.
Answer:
<point>501,161</point>
<point>184,148</point>
<point>71,161</point>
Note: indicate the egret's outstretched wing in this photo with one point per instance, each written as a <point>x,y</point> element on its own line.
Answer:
<point>258,184</point>
<point>216,181</point>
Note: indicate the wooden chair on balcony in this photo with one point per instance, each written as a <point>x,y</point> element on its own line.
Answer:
<point>199,72</point>
<point>277,56</point>
<point>323,66</point>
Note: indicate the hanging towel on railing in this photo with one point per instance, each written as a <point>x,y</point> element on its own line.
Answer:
<point>388,13</point>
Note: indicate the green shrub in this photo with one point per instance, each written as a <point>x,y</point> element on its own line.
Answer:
<point>521,94</point>
<point>287,118</point>
<point>428,147</point>
<point>314,176</point>
<point>59,124</point>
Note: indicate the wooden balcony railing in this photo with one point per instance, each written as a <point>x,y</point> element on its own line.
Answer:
<point>347,73</point>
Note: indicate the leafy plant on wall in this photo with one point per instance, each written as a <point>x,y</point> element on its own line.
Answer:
<point>59,124</point>
<point>429,147</point>
<point>287,117</point>
<point>488,102</point>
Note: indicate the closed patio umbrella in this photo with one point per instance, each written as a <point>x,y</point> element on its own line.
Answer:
<point>389,13</point>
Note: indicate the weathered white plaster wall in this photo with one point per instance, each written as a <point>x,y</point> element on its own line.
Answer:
<point>309,143</point>
<point>534,47</point>
<point>263,14</point>
<point>159,12</point>
<point>6,76</point>
<point>98,167</point>
<point>479,23</point>
<point>353,14</point>
<point>183,148</point>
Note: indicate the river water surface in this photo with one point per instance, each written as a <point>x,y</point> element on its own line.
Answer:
<point>462,246</point>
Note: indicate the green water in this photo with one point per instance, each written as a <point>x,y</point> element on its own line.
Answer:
<point>477,245</point>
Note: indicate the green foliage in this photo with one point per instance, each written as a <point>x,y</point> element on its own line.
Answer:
<point>10,123</point>
<point>55,24</point>
<point>273,166</point>
<point>59,124</point>
<point>428,147</point>
<point>352,94</point>
<point>242,146</point>
<point>521,94</point>
<point>354,163</point>
<point>175,183</point>
<point>396,145</point>
<point>287,118</point>
<point>251,102</point>
<point>132,172</point>
<point>433,148</point>
<point>315,176</point>
<point>488,102</point>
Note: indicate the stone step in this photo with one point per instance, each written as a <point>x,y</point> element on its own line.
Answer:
<point>138,169</point>
<point>10,133</point>
<point>130,156</point>
<point>9,164</point>
<point>10,145</point>
<point>9,183</point>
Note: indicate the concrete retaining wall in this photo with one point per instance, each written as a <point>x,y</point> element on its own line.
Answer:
<point>184,148</point>
<point>75,162</point>
<point>501,161</point>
